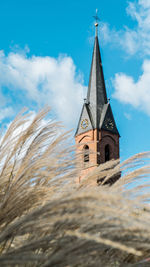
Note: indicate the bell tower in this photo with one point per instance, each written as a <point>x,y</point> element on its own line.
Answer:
<point>97,136</point>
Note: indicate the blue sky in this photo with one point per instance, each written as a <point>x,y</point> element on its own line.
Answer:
<point>45,57</point>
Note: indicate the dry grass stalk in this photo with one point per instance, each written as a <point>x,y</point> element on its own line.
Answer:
<point>46,219</point>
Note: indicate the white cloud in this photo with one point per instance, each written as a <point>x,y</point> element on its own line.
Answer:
<point>144,3</point>
<point>6,113</point>
<point>136,39</point>
<point>136,93</point>
<point>43,80</point>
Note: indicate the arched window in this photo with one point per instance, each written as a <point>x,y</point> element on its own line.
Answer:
<point>86,153</point>
<point>107,153</point>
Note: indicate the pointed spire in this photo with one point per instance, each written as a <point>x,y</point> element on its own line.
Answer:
<point>96,95</point>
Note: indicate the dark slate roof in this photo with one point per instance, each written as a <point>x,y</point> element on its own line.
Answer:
<point>107,121</point>
<point>97,109</point>
<point>85,114</point>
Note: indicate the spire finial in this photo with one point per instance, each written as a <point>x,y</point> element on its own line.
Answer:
<point>96,21</point>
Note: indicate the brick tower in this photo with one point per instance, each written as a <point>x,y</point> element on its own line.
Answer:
<point>96,136</point>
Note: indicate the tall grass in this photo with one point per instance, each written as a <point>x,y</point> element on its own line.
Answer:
<point>47,219</point>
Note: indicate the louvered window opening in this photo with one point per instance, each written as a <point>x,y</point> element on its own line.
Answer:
<point>86,154</point>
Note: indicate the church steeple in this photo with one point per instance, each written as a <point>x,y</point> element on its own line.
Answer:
<point>96,132</point>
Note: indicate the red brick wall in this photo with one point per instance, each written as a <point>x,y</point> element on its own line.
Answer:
<point>112,140</point>
<point>96,140</point>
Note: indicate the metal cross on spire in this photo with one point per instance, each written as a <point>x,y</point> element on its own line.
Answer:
<point>96,20</point>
